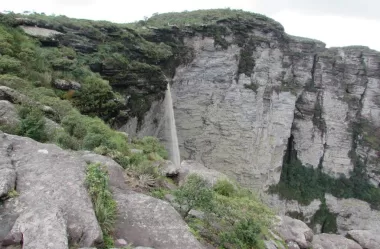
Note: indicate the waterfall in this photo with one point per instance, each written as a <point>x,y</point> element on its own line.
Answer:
<point>169,116</point>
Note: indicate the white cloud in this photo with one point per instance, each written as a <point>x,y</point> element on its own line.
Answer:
<point>333,30</point>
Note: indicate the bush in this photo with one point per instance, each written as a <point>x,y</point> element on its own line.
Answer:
<point>224,187</point>
<point>66,141</point>
<point>194,193</point>
<point>32,124</point>
<point>245,234</point>
<point>96,98</point>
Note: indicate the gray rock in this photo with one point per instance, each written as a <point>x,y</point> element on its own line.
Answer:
<point>40,32</point>
<point>66,84</point>
<point>143,247</point>
<point>294,230</point>
<point>169,197</point>
<point>292,245</point>
<point>8,114</point>
<point>41,227</point>
<point>53,203</point>
<point>156,225</point>
<point>365,238</point>
<point>120,243</point>
<point>168,168</point>
<point>192,167</point>
<point>333,241</point>
<point>13,96</point>
<point>353,214</point>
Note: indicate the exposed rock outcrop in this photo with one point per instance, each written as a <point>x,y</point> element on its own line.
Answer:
<point>365,238</point>
<point>45,212</point>
<point>353,214</point>
<point>192,167</point>
<point>292,230</point>
<point>66,84</point>
<point>8,114</point>
<point>333,241</point>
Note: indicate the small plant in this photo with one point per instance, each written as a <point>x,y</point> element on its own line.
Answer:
<point>194,193</point>
<point>104,205</point>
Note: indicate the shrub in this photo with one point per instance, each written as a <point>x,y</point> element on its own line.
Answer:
<point>104,205</point>
<point>245,234</point>
<point>194,193</point>
<point>224,187</point>
<point>96,98</point>
<point>66,141</point>
<point>32,123</point>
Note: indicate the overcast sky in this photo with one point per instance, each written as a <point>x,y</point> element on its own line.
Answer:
<point>335,22</point>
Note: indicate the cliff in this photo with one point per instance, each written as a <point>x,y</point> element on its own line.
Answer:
<point>280,114</point>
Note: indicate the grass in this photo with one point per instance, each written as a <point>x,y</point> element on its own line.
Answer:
<point>104,205</point>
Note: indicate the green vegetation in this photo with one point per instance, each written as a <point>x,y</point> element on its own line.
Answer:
<point>101,197</point>
<point>32,124</point>
<point>233,216</point>
<point>305,184</point>
<point>193,194</point>
<point>200,17</point>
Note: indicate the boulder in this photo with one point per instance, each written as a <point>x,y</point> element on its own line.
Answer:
<point>365,238</point>
<point>7,171</point>
<point>294,230</point>
<point>192,167</point>
<point>147,221</point>
<point>8,114</point>
<point>53,204</point>
<point>66,84</point>
<point>353,214</point>
<point>333,241</point>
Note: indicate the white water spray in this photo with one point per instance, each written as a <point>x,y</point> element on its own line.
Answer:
<point>169,116</point>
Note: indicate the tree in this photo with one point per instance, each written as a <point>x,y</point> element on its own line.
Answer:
<point>96,98</point>
<point>195,193</point>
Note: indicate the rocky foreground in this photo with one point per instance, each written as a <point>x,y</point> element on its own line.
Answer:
<point>52,208</point>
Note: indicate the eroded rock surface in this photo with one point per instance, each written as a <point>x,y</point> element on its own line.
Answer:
<point>365,238</point>
<point>333,241</point>
<point>353,214</point>
<point>189,167</point>
<point>293,230</point>
<point>53,203</point>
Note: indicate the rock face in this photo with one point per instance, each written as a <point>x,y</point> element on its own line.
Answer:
<point>45,213</point>
<point>292,230</point>
<point>333,241</point>
<point>238,120</point>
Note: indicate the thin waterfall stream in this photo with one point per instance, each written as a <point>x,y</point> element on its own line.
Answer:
<point>169,116</point>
